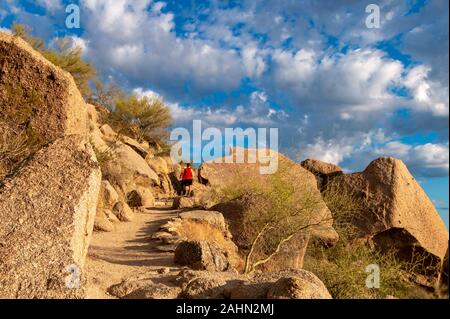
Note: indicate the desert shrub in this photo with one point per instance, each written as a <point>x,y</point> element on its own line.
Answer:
<point>277,211</point>
<point>12,148</point>
<point>106,94</point>
<point>143,119</point>
<point>105,156</point>
<point>64,55</point>
<point>342,268</point>
<point>18,139</point>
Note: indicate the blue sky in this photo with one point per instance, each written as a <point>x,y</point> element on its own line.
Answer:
<point>337,90</point>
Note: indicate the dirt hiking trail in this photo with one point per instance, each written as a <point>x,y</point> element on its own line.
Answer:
<point>127,253</point>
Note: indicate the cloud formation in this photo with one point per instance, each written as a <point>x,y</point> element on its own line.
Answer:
<point>335,89</point>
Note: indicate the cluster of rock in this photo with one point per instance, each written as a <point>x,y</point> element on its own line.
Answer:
<point>74,173</point>
<point>189,284</point>
<point>394,212</point>
<point>199,239</point>
<point>133,176</point>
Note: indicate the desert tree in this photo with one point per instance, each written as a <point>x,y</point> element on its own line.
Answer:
<point>143,118</point>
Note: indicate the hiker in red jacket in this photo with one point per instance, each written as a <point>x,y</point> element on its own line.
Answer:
<point>186,179</point>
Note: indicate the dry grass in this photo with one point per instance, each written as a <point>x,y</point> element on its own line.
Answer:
<point>197,230</point>
<point>13,146</point>
<point>18,139</point>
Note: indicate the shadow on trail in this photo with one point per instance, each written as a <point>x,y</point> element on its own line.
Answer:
<point>140,250</point>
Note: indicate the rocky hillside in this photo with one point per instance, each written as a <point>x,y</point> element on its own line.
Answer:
<point>68,179</point>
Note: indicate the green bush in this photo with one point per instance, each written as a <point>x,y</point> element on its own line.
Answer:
<point>141,118</point>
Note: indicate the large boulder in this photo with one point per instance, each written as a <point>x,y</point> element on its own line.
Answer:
<point>201,284</point>
<point>127,169</point>
<point>236,213</point>
<point>395,211</point>
<point>299,285</point>
<point>141,197</point>
<point>135,145</point>
<point>158,164</point>
<point>108,195</point>
<point>144,289</point>
<point>123,212</point>
<point>182,202</point>
<point>108,132</point>
<point>92,115</point>
<point>50,104</point>
<point>155,291</point>
<point>39,103</point>
<point>324,172</point>
<point>102,223</point>
<point>242,211</point>
<point>211,217</point>
<point>201,255</point>
<point>47,209</point>
<point>97,140</point>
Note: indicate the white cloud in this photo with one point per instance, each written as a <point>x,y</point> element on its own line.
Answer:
<point>142,45</point>
<point>427,95</point>
<point>431,156</point>
<point>358,81</point>
<point>151,95</point>
<point>253,61</point>
<point>51,5</point>
<point>331,151</point>
<point>6,30</point>
<point>306,75</point>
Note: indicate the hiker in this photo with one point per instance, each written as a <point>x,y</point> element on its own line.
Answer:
<point>186,179</point>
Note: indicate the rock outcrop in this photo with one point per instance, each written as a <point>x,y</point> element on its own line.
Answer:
<point>324,172</point>
<point>190,284</point>
<point>395,211</point>
<point>48,198</point>
<point>123,212</point>
<point>47,211</point>
<point>102,222</point>
<point>182,202</point>
<point>127,169</point>
<point>51,105</point>
<point>236,212</point>
<point>108,195</point>
<point>213,218</point>
<point>201,255</point>
<point>297,283</point>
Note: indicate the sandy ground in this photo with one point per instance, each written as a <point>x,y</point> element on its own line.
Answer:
<point>126,253</point>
